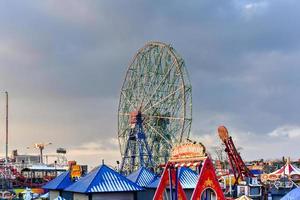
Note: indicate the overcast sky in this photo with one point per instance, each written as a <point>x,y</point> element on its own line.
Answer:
<point>63,63</point>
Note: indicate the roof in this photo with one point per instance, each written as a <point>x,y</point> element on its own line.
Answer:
<point>60,182</point>
<point>292,195</point>
<point>103,179</point>
<point>142,177</point>
<point>187,177</point>
<point>287,169</point>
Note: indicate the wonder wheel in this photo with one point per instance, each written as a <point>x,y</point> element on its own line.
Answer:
<point>155,107</point>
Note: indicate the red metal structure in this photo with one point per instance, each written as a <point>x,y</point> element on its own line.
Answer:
<point>207,183</point>
<point>239,169</point>
<point>170,178</point>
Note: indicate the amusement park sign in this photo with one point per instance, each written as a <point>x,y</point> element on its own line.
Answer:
<point>188,151</point>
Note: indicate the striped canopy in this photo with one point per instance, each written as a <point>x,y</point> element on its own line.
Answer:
<point>288,169</point>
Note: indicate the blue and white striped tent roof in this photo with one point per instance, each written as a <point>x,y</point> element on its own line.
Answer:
<point>103,179</point>
<point>142,177</point>
<point>60,182</point>
<point>187,177</point>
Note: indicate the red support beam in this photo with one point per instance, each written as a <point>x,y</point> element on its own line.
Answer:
<point>207,181</point>
<point>169,173</point>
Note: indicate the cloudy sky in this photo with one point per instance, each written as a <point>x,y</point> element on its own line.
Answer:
<point>63,63</point>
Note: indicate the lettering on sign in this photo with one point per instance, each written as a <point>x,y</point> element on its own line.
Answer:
<point>188,150</point>
<point>75,171</point>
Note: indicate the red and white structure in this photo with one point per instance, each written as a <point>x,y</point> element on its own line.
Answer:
<point>287,170</point>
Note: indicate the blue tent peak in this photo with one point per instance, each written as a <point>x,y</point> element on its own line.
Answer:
<point>60,182</point>
<point>142,177</point>
<point>103,179</point>
<point>292,195</point>
<point>187,177</point>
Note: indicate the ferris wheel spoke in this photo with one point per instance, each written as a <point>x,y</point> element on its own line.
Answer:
<point>156,131</point>
<point>165,98</point>
<point>142,61</point>
<point>165,117</point>
<point>127,100</point>
<point>175,129</point>
<point>160,83</point>
<point>144,84</point>
<point>132,86</point>
<point>157,68</point>
<point>123,133</point>
<point>175,109</point>
<point>169,108</point>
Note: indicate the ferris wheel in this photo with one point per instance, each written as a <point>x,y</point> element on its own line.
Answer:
<point>155,106</point>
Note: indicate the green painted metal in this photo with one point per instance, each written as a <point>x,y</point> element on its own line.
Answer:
<point>158,84</point>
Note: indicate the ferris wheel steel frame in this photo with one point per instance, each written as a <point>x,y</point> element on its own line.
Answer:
<point>156,85</point>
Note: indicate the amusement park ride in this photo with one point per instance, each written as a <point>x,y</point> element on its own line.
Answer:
<point>238,167</point>
<point>154,108</point>
<point>245,183</point>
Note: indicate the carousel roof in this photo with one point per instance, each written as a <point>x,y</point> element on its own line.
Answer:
<point>287,169</point>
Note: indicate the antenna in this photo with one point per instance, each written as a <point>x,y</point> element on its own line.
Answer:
<point>6,135</point>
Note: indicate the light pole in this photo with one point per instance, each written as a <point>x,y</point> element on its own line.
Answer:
<point>6,131</point>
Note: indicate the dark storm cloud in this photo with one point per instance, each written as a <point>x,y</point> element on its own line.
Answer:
<point>64,62</point>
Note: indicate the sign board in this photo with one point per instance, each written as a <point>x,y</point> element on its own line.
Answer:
<point>188,151</point>
<point>75,171</point>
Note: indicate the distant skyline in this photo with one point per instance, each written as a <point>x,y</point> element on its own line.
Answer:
<point>63,64</point>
